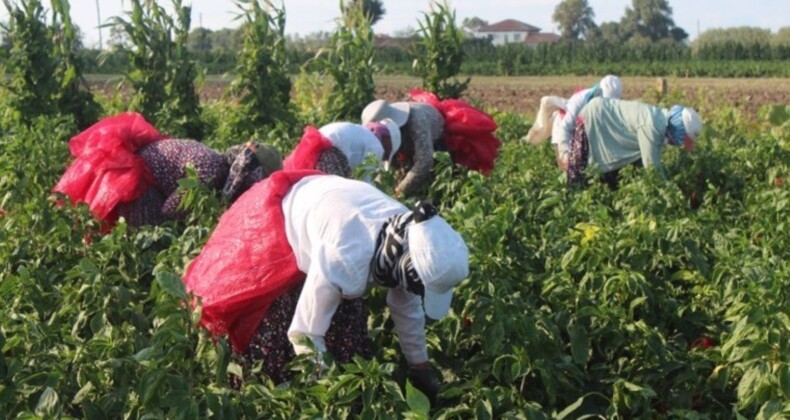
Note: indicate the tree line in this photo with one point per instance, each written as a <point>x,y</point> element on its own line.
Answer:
<point>645,41</point>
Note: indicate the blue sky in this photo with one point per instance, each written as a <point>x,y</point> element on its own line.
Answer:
<point>306,16</point>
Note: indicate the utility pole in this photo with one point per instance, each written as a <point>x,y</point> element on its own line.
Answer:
<point>98,19</point>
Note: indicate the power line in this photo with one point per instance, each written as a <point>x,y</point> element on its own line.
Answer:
<point>98,19</point>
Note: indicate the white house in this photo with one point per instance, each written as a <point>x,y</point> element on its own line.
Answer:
<point>513,31</point>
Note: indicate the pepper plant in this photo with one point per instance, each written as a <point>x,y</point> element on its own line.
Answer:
<point>440,52</point>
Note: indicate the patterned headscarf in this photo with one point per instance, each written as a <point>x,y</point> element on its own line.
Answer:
<point>392,265</point>
<point>249,163</point>
<point>383,134</point>
<point>676,131</point>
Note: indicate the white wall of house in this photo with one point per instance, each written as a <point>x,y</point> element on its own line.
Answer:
<point>500,38</point>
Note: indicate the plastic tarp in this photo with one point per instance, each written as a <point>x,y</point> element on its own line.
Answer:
<point>107,171</point>
<point>247,262</point>
<point>468,132</point>
<point>306,154</point>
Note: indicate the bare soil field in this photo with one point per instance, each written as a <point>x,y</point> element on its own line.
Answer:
<point>522,94</point>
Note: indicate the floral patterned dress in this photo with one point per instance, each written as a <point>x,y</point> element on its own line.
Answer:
<point>167,160</point>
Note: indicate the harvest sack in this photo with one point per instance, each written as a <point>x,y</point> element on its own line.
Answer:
<point>107,171</point>
<point>308,151</point>
<point>248,262</point>
<point>468,132</point>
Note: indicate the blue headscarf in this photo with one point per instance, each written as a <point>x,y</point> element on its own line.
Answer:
<point>593,92</point>
<point>675,128</point>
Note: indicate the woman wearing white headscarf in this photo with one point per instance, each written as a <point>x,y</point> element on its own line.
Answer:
<point>290,279</point>
<point>428,124</point>
<point>339,147</point>
<point>558,116</point>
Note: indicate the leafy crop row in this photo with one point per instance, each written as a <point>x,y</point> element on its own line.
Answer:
<point>661,298</point>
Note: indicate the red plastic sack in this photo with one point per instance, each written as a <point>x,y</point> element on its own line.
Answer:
<point>247,262</point>
<point>107,171</point>
<point>308,151</point>
<point>468,132</point>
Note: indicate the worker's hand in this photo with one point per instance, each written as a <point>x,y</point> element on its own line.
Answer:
<point>424,379</point>
<point>562,163</point>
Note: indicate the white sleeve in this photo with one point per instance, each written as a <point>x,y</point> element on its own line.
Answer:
<point>568,123</point>
<point>409,318</point>
<point>314,311</point>
<point>563,148</point>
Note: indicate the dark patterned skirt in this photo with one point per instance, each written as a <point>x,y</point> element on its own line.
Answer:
<point>579,155</point>
<point>347,337</point>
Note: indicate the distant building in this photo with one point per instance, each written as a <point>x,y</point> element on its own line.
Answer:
<point>513,31</point>
<point>542,38</point>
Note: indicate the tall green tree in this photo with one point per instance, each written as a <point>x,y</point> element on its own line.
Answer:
<point>200,40</point>
<point>373,9</point>
<point>575,18</point>
<point>651,19</point>
<point>474,23</point>
<point>607,32</point>
<point>782,37</point>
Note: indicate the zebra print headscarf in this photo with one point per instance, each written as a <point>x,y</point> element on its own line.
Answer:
<point>392,265</point>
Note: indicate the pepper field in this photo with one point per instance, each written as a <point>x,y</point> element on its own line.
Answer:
<point>662,299</point>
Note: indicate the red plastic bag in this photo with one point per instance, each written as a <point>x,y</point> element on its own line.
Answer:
<point>468,132</point>
<point>107,171</point>
<point>247,262</point>
<point>308,151</point>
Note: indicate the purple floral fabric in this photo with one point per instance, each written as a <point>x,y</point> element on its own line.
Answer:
<point>347,337</point>
<point>167,160</point>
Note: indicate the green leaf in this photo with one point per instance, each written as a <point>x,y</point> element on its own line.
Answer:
<point>417,401</point>
<point>47,403</point>
<point>484,410</point>
<point>187,409</point>
<point>82,393</point>
<point>643,391</point>
<point>580,344</point>
<point>149,385</point>
<point>771,410</point>
<point>144,354</point>
<point>171,284</point>
<point>235,369</point>
<point>784,379</point>
<point>570,409</point>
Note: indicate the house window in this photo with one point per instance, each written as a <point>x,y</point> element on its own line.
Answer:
<point>507,38</point>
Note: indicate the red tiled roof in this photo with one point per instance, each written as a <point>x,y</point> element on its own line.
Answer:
<point>509,25</point>
<point>545,38</point>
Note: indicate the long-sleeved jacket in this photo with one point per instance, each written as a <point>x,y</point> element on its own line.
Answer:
<point>622,132</point>
<point>332,225</point>
<point>420,136</point>
<point>562,129</point>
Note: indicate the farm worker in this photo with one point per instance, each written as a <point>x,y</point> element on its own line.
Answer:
<point>125,167</point>
<point>322,150</point>
<point>614,133</point>
<point>427,124</point>
<point>287,266</point>
<point>564,113</point>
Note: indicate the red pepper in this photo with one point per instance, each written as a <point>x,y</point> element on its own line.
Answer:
<point>703,343</point>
